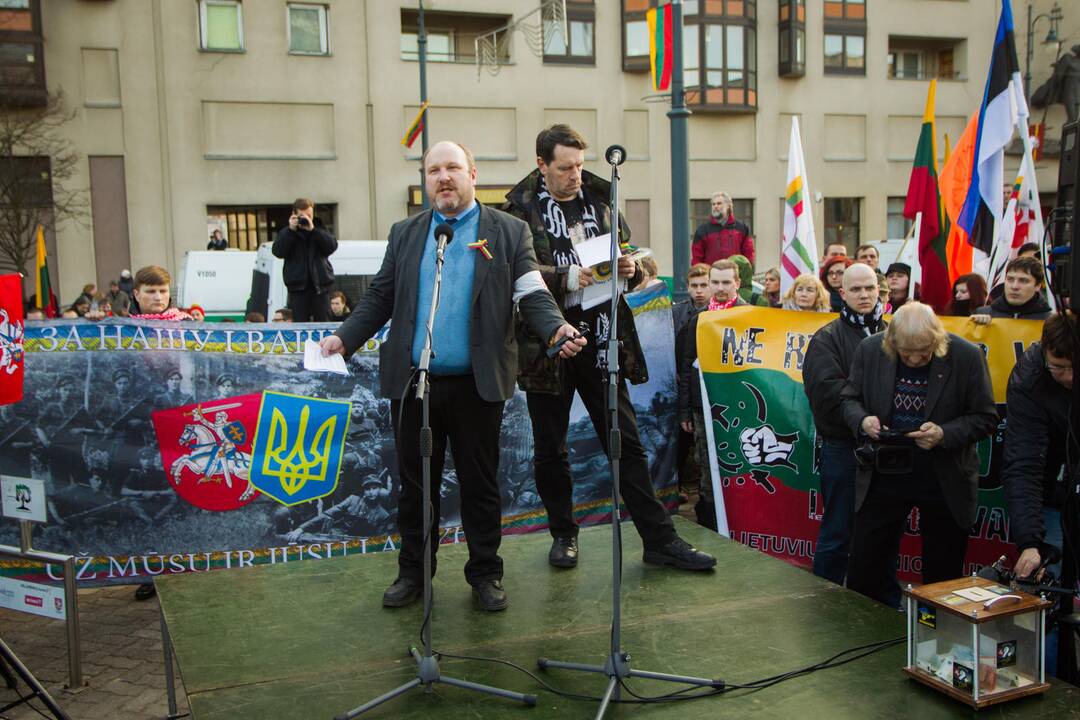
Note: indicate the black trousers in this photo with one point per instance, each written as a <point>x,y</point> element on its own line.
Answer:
<point>550,415</point>
<point>471,426</point>
<point>879,527</point>
<point>309,306</point>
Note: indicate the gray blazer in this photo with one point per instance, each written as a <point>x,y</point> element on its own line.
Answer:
<point>392,296</point>
<point>959,399</point>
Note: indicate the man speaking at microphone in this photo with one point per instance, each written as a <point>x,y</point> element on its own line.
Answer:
<point>564,206</point>
<point>489,267</point>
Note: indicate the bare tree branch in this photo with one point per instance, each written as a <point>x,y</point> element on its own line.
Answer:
<point>38,179</point>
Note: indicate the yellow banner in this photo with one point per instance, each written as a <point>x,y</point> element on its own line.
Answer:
<point>748,338</point>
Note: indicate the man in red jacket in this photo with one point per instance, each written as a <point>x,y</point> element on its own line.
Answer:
<point>721,236</point>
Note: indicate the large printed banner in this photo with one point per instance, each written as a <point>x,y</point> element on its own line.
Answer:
<point>181,447</point>
<point>766,463</point>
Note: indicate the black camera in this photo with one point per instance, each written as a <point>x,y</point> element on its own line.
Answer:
<point>893,453</point>
<point>303,222</point>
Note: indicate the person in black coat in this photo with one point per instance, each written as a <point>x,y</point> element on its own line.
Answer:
<point>1023,297</point>
<point>932,388</point>
<point>825,372</point>
<point>1038,402</point>
<point>306,246</point>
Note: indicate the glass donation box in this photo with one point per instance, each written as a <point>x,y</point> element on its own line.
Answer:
<point>976,640</point>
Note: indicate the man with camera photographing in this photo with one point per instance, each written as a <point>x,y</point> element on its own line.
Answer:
<point>932,390</point>
<point>825,372</point>
<point>306,246</point>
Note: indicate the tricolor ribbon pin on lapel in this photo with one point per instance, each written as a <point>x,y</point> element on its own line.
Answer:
<point>482,246</point>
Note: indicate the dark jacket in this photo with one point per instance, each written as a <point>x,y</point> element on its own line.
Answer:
<point>959,399</point>
<point>825,371</point>
<point>1034,309</point>
<point>1035,426</point>
<point>689,386</point>
<point>538,372</point>
<point>392,295</point>
<point>718,239</point>
<point>306,254</point>
<point>681,312</point>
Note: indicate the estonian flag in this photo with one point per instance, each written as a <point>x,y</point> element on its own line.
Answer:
<point>1003,109</point>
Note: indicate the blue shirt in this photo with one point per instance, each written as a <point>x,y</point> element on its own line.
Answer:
<point>450,342</point>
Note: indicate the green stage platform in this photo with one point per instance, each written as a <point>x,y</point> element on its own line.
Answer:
<point>310,639</point>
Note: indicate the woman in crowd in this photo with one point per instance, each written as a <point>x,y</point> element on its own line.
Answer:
<point>197,313</point>
<point>808,294</point>
<point>969,292</point>
<point>772,287</point>
<point>832,277</point>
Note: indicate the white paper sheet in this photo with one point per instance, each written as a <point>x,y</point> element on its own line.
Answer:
<point>596,250</point>
<point>597,294</point>
<point>314,360</point>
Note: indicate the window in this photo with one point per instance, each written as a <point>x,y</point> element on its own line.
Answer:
<point>913,58</point>
<point>440,46</point>
<point>580,26</point>
<point>842,222</point>
<point>845,37</point>
<point>896,225</point>
<point>307,30</point>
<point>743,208</point>
<point>720,55</point>
<point>248,227</point>
<point>792,43</point>
<point>25,182</point>
<point>451,37</point>
<point>22,57</point>
<point>221,26</point>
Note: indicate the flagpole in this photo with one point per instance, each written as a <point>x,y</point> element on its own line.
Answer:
<point>680,180</point>
<point>421,46</point>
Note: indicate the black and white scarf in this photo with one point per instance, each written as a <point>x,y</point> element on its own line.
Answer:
<point>563,236</point>
<point>867,324</point>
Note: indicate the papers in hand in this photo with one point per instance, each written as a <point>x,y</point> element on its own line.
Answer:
<point>596,250</point>
<point>314,360</point>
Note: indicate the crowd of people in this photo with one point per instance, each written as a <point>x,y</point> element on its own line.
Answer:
<point>898,406</point>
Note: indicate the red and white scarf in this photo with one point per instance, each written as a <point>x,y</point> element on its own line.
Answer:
<point>170,314</point>
<point>715,304</point>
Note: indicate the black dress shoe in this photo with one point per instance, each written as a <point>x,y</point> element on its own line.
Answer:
<point>404,591</point>
<point>563,553</point>
<point>678,553</point>
<point>145,591</point>
<point>489,595</point>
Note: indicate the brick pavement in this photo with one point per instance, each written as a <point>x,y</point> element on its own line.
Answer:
<point>122,658</point>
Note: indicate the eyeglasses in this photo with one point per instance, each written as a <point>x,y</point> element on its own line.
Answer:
<point>835,273</point>
<point>1058,369</point>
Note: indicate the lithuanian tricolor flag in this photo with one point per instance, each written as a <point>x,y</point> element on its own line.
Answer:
<point>923,196</point>
<point>416,128</point>
<point>45,300</point>
<point>661,57</point>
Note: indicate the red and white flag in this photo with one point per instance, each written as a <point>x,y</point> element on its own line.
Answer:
<point>11,339</point>
<point>206,450</point>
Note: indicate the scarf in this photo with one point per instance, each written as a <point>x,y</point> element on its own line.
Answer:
<point>170,314</point>
<point>867,324</point>
<point>715,304</point>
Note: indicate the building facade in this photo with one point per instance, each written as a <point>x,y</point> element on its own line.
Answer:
<point>196,114</point>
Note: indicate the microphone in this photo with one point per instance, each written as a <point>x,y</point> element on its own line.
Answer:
<point>443,235</point>
<point>615,155</point>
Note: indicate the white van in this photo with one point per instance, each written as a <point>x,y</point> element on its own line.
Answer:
<point>355,263</point>
<point>216,281</point>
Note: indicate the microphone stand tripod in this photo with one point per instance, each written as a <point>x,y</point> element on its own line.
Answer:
<point>427,672</point>
<point>617,666</point>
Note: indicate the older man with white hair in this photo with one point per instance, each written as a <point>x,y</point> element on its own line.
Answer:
<point>825,372</point>
<point>919,398</point>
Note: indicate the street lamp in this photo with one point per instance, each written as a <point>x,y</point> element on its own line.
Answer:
<point>1054,16</point>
